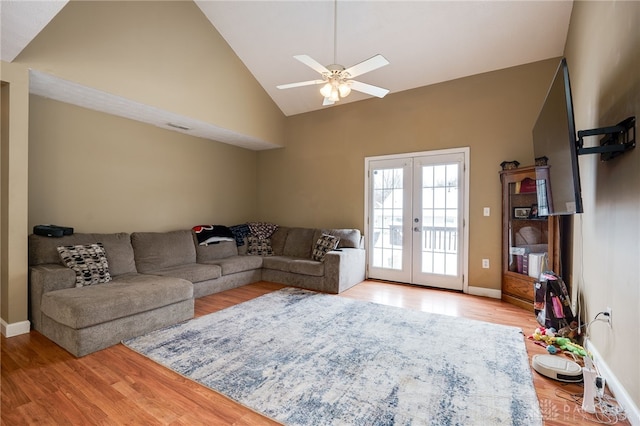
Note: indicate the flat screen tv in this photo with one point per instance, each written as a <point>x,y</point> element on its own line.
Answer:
<point>554,137</point>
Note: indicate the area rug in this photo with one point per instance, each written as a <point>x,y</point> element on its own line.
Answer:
<point>303,358</point>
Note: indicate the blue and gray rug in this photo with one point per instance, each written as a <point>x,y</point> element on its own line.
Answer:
<point>303,358</point>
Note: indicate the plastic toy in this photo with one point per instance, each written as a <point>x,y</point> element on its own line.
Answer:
<point>566,344</point>
<point>554,343</point>
<point>546,335</point>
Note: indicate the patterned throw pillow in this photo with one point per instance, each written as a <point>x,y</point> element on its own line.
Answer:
<point>88,261</point>
<point>325,244</point>
<point>259,246</point>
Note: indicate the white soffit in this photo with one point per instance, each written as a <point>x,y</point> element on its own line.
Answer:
<point>53,87</point>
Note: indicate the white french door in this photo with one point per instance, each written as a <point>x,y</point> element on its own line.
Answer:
<point>416,215</point>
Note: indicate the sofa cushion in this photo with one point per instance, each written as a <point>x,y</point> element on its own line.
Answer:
<point>278,263</point>
<point>117,246</point>
<point>299,242</point>
<point>278,238</point>
<point>235,264</point>
<point>215,251</point>
<point>158,250</point>
<point>294,265</point>
<point>307,267</point>
<point>88,261</point>
<point>194,272</point>
<point>323,245</point>
<point>131,293</point>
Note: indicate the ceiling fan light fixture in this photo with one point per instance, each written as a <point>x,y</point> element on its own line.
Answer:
<point>335,94</point>
<point>326,90</point>
<point>344,89</point>
<point>336,83</point>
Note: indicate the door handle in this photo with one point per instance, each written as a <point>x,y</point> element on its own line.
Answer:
<point>416,229</point>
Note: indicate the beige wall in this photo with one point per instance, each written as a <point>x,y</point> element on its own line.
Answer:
<point>603,53</point>
<point>101,173</point>
<point>13,197</point>
<point>318,179</point>
<point>165,54</point>
<point>4,196</point>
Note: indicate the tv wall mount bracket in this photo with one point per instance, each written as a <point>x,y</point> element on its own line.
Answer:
<point>618,139</point>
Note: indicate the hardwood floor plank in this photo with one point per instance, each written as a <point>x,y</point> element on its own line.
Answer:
<point>43,384</point>
<point>31,414</point>
<point>11,393</point>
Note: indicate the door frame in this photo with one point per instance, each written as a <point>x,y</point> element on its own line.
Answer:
<point>465,210</point>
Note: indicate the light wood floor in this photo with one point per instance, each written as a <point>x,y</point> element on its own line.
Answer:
<point>45,385</point>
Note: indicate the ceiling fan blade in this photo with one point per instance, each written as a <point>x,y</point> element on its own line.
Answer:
<point>370,64</point>
<point>327,101</point>
<point>300,84</point>
<point>368,89</point>
<point>312,63</point>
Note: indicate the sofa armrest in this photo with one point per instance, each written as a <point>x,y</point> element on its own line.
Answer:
<point>43,279</point>
<point>344,268</point>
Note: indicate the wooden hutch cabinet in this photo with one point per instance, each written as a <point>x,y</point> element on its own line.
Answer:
<point>529,243</point>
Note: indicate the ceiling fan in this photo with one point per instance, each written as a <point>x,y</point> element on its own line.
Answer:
<point>336,78</point>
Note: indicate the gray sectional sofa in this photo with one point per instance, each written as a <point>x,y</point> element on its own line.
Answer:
<point>155,277</point>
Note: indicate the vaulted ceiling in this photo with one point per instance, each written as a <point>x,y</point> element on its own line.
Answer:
<point>426,42</point>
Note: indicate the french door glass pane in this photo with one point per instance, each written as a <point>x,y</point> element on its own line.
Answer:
<point>440,219</point>
<point>387,218</point>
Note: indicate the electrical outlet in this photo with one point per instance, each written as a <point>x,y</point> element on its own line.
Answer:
<point>608,316</point>
<point>485,263</point>
<point>487,211</point>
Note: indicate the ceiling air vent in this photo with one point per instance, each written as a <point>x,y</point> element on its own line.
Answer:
<point>178,126</point>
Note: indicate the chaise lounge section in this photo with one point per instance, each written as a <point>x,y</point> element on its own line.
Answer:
<point>89,318</point>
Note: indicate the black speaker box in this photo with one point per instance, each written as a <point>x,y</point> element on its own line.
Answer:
<point>52,230</point>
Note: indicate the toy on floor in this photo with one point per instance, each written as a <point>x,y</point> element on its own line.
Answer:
<point>548,337</point>
<point>566,344</point>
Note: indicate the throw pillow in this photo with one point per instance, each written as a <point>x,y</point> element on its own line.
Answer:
<point>259,246</point>
<point>88,261</point>
<point>325,244</point>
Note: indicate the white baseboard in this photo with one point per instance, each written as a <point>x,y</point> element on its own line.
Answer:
<point>619,392</point>
<point>14,329</point>
<point>484,292</point>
